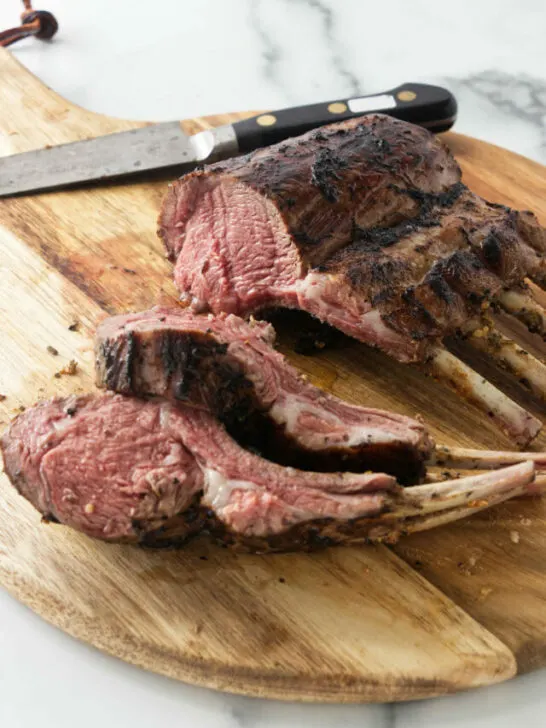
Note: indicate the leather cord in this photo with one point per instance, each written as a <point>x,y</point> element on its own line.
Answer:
<point>39,23</point>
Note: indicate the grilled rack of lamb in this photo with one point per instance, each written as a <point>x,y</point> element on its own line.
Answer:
<point>366,225</point>
<point>158,468</point>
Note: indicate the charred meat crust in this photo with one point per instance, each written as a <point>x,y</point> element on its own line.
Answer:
<point>470,251</point>
<point>335,156</point>
<point>184,358</point>
<point>333,167</point>
<point>309,536</point>
<point>197,369</point>
<point>117,359</point>
<point>426,215</point>
<point>176,531</point>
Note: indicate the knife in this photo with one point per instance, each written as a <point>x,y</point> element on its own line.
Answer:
<point>165,147</point>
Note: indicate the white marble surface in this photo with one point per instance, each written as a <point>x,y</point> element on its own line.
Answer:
<point>178,58</point>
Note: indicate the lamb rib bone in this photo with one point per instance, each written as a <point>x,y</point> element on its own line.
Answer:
<point>439,519</point>
<point>510,356</point>
<point>444,476</point>
<point>457,499</point>
<point>441,477</point>
<point>514,420</point>
<point>471,459</point>
<point>469,490</point>
<point>521,305</point>
<point>538,292</point>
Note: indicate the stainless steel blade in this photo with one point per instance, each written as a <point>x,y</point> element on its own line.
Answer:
<point>160,146</point>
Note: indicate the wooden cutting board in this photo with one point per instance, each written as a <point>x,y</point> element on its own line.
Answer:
<point>446,610</point>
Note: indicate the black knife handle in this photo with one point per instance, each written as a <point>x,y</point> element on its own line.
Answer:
<point>430,106</point>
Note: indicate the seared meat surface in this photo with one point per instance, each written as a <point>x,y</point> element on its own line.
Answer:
<point>248,233</point>
<point>230,367</point>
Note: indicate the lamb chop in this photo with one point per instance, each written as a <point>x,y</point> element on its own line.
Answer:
<point>366,225</point>
<point>157,472</point>
<point>229,367</point>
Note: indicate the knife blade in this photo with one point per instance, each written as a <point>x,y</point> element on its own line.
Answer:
<point>164,146</point>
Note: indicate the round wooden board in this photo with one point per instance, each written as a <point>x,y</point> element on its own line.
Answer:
<point>447,610</point>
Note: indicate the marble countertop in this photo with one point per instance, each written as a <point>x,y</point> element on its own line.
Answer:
<point>170,60</point>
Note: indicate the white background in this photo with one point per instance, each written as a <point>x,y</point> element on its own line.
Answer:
<point>171,59</point>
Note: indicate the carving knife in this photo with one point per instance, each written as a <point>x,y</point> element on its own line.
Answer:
<point>165,147</point>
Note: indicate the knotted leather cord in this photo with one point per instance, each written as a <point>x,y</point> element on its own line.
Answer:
<point>39,23</point>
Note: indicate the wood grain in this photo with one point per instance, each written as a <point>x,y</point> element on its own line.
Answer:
<point>445,611</point>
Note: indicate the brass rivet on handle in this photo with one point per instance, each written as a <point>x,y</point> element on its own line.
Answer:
<point>338,107</point>
<point>406,96</point>
<point>266,120</point>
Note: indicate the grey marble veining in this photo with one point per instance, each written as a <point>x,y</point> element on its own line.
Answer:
<point>174,59</point>
<point>350,82</point>
<point>508,96</point>
<point>316,30</point>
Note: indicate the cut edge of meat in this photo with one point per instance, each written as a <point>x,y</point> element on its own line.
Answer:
<point>273,276</point>
<point>149,480</point>
<point>228,227</point>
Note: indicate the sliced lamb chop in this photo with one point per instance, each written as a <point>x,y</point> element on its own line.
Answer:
<point>154,472</point>
<point>230,367</point>
<point>247,512</point>
<point>125,469</point>
<point>364,224</point>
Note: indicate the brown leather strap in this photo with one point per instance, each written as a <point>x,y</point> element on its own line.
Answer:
<point>39,23</point>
